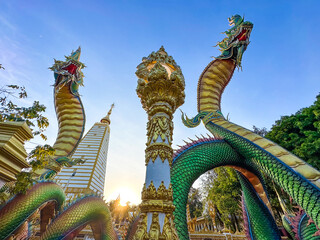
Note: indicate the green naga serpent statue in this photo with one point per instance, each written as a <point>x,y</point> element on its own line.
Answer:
<point>46,197</point>
<point>243,150</point>
<point>233,146</point>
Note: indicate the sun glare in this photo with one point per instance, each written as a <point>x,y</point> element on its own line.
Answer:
<point>126,195</point>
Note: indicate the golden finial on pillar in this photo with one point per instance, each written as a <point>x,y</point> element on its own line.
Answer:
<point>161,90</point>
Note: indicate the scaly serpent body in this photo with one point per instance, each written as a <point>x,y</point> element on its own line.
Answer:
<point>296,177</point>
<point>15,212</point>
<point>297,224</point>
<point>303,191</point>
<point>263,225</point>
<point>88,210</point>
<point>211,84</point>
<point>70,114</point>
<point>71,120</point>
<point>197,158</point>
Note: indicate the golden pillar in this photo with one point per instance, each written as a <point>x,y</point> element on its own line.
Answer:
<point>161,89</point>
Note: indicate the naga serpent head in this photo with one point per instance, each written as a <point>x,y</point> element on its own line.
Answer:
<point>237,40</point>
<point>69,72</point>
<point>235,20</point>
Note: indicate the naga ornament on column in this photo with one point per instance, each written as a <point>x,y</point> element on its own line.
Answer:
<point>161,89</point>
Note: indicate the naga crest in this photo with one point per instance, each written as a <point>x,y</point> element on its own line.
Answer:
<point>237,40</point>
<point>69,72</point>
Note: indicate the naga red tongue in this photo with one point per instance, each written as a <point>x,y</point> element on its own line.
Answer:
<point>71,68</point>
<point>243,35</point>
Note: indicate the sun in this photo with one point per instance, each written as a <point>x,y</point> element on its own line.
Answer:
<point>126,195</point>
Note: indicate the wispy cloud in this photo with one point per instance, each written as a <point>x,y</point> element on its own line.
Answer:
<point>6,23</point>
<point>12,58</point>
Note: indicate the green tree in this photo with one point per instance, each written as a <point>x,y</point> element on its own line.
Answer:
<point>38,159</point>
<point>260,131</point>
<point>32,115</point>
<point>195,203</point>
<point>224,191</point>
<point>121,213</point>
<point>300,133</point>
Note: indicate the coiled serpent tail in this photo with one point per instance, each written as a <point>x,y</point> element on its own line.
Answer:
<point>260,221</point>
<point>88,210</point>
<point>23,206</point>
<point>196,158</point>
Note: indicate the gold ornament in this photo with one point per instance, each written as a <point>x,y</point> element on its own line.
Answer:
<point>159,126</point>
<point>163,150</point>
<point>160,84</point>
<point>142,228</point>
<point>155,227</point>
<point>161,90</point>
<point>157,194</point>
<point>150,192</point>
<point>167,232</point>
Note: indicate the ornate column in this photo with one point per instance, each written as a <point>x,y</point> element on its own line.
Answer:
<point>161,89</point>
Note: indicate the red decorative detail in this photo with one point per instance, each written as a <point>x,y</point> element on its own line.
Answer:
<point>243,35</point>
<point>71,68</point>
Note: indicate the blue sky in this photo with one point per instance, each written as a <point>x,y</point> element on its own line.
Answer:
<point>280,67</point>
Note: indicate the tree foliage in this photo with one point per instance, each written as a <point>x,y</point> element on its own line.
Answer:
<point>300,133</point>
<point>38,159</point>
<point>260,131</point>
<point>121,213</point>
<point>10,111</point>
<point>195,202</point>
<point>33,116</point>
<point>224,191</point>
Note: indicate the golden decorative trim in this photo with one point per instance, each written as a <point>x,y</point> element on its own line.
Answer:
<point>159,126</point>
<point>106,119</point>
<point>155,227</point>
<point>163,150</point>
<point>162,90</point>
<point>157,200</point>
<point>160,80</point>
<point>142,228</point>
<point>157,206</point>
<point>168,228</point>
<point>157,194</point>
